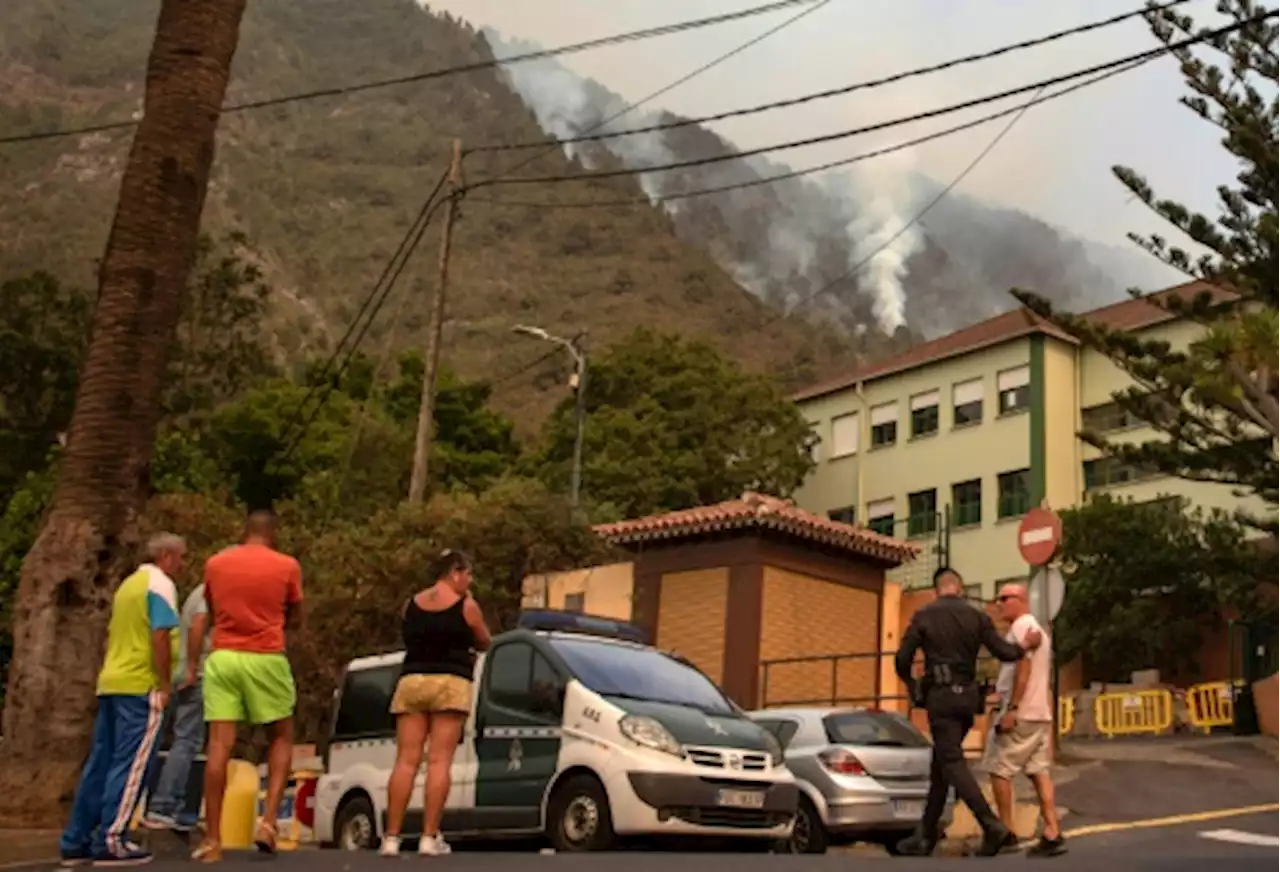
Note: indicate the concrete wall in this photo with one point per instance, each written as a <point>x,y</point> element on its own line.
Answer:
<point>607,590</point>
<point>999,443</point>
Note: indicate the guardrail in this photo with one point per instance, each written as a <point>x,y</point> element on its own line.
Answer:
<point>1132,713</point>
<point>1212,704</point>
<point>1066,714</point>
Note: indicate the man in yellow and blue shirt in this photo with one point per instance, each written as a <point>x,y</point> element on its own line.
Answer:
<point>133,693</point>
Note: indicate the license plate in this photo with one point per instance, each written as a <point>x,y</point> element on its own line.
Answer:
<point>908,808</point>
<point>741,798</point>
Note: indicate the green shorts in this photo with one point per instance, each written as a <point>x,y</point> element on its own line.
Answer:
<point>245,687</point>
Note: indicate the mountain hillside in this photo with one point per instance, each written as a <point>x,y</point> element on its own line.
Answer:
<point>325,189</point>
<point>789,240</point>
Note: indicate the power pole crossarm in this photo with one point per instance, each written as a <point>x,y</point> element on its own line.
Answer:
<point>435,330</point>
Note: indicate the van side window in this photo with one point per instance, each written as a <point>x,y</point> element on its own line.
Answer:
<point>521,679</point>
<point>364,710</point>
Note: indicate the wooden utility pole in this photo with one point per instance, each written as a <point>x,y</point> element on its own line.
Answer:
<point>427,407</point>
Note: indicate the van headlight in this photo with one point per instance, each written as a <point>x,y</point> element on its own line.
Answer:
<point>650,733</point>
<point>776,754</point>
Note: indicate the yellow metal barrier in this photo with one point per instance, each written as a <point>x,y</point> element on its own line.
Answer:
<point>1066,714</point>
<point>1211,704</point>
<point>1134,712</point>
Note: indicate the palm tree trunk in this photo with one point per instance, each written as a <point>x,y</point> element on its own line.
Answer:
<point>86,542</point>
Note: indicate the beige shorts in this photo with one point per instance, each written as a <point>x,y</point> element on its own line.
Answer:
<point>1026,748</point>
<point>424,694</point>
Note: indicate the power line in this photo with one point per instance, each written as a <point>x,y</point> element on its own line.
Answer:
<point>523,368</point>
<point>836,92</point>
<point>711,64</point>
<point>915,219</point>
<point>390,274</point>
<point>641,200</point>
<point>631,36</point>
<point>883,125</point>
<point>813,7</point>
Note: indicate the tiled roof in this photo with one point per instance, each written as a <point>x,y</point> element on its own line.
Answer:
<point>755,511</point>
<point>1126,315</point>
<point>993,331</point>
<point>1135,314</point>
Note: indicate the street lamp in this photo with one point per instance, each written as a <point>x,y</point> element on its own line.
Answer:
<point>579,383</point>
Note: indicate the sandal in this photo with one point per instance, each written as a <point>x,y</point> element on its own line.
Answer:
<point>207,852</point>
<point>265,840</point>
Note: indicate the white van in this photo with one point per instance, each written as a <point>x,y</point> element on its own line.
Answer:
<point>575,732</point>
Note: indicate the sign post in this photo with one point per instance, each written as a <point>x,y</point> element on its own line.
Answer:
<point>1039,538</point>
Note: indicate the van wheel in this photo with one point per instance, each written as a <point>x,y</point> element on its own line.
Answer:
<point>809,835</point>
<point>579,818</point>
<point>354,828</point>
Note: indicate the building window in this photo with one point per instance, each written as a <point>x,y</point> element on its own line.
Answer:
<point>924,414</point>
<point>1108,417</point>
<point>1014,490</point>
<point>966,502</point>
<point>884,425</point>
<point>844,515</point>
<point>575,602</point>
<point>966,403</point>
<point>880,516</point>
<point>1014,386</point>
<point>844,435</point>
<point>1108,471</point>
<point>922,512</point>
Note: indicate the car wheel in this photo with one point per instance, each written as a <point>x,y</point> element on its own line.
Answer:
<point>353,827</point>
<point>579,818</point>
<point>809,835</point>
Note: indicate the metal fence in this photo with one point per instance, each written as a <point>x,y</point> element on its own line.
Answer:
<point>864,679</point>
<point>932,532</point>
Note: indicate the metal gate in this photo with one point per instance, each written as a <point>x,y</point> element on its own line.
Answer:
<point>932,532</point>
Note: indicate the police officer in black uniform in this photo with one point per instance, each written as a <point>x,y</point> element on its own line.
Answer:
<point>951,631</point>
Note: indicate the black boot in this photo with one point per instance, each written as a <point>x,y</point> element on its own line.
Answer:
<point>916,845</point>
<point>995,839</point>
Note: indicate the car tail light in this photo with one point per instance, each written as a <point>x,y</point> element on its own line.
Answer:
<point>842,762</point>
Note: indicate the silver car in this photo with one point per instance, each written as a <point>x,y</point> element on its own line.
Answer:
<point>863,774</point>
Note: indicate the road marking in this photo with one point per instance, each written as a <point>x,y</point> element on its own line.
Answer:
<point>1240,837</point>
<point>1174,820</point>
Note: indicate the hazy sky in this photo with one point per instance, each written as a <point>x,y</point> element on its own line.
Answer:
<point>1055,163</point>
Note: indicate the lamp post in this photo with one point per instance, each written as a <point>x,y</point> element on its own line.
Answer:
<point>579,383</point>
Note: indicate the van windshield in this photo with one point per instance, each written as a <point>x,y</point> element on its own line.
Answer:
<point>639,673</point>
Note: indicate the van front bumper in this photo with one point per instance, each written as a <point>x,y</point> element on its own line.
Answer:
<point>699,802</point>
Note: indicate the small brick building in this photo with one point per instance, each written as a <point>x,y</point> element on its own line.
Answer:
<point>750,580</point>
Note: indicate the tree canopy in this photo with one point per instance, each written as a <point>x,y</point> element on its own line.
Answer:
<point>1213,403</point>
<point>1144,580</point>
<point>249,422</point>
<point>671,423</point>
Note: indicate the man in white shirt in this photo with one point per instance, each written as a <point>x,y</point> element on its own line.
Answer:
<point>1022,740</point>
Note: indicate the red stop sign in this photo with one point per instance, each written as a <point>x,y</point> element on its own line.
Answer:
<point>1039,536</point>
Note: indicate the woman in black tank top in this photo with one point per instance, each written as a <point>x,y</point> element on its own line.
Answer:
<point>443,630</point>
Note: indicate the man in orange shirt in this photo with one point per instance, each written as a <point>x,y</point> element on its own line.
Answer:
<point>253,592</point>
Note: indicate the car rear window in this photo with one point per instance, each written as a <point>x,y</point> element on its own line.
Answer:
<point>873,729</point>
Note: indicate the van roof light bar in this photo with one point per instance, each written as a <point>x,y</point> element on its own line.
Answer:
<point>575,622</point>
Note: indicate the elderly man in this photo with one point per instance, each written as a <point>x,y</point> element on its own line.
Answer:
<point>133,693</point>
<point>1023,737</point>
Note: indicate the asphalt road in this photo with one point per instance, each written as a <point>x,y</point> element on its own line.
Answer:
<point>1159,854</point>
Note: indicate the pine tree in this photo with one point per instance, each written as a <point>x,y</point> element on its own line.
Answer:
<point>1213,403</point>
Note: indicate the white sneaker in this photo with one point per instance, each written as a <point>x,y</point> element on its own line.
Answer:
<point>390,847</point>
<point>433,846</point>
